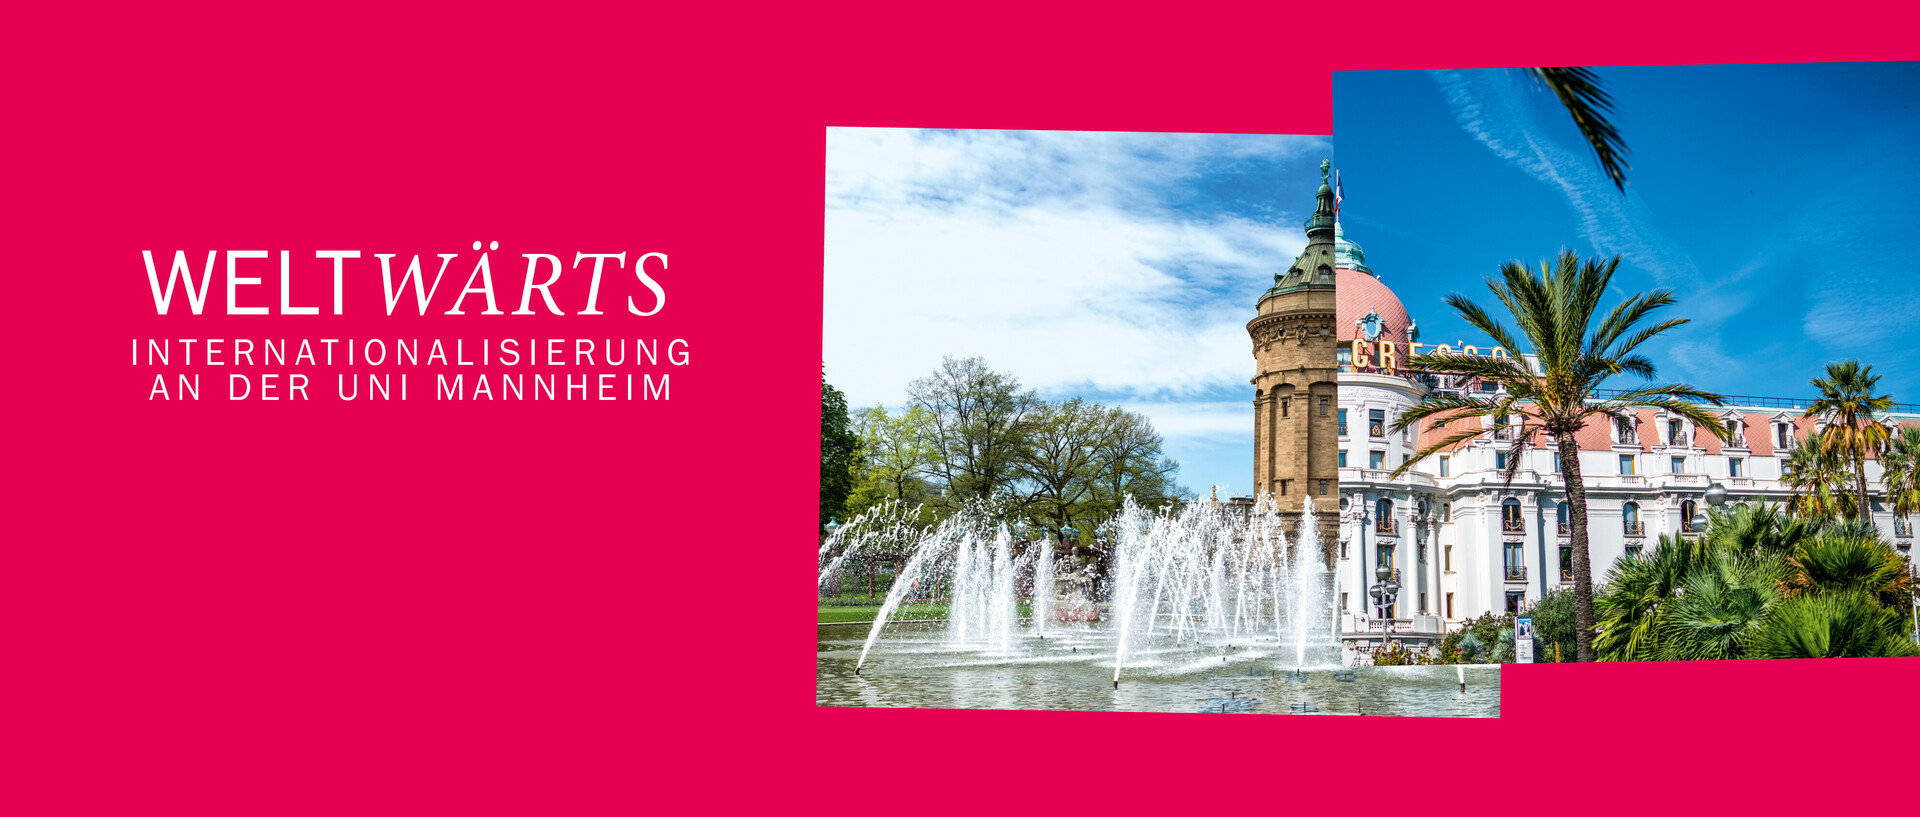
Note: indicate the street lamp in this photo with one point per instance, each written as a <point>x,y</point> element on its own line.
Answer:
<point>1383,595</point>
<point>833,524</point>
<point>1716,497</point>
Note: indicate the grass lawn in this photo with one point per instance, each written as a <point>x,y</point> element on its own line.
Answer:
<point>906,612</point>
<point>866,613</point>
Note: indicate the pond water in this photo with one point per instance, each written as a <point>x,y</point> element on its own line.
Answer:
<point>1071,667</point>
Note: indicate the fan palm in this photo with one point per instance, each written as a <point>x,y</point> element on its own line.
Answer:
<point>1816,472</point>
<point>1903,472</point>
<point>1637,590</point>
<point>1761,528</point>
<point>1555,308</point>
<point>1848,401</point>
<point>1850,558</point>
<point>1719,607</point>
<point>1842,625</point>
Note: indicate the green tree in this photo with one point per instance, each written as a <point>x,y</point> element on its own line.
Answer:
<point>1848,402</point>
<point>1133,463</point>
<point>1555,309</point>
<point>896,452</point>
<point>1058,458</point>
<point>978,419</point>
<point>1554,628</point>
<point>839,452</point>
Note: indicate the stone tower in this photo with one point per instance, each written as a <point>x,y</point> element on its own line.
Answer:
<point>1295,403</point>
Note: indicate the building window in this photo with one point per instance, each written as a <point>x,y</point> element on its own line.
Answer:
<point>1446,554</point>
<point>1633,551</point>
<point>1733,467</point>
<point>1500,460</point>
<point>1515,600</point>
<point>1781,434</point>
<point>1560,514</point>
<point>1443,466</point>
<point>1623,429</point>
<point>1377,460</point>
<point>1626,465</point>
<point>1556,463</point>
<point>1383,519</point>
<point>1566,563</point>
<point>1449,605</point>
<point>1677,465</point>
<point>1510,520</point>
<point>1673,433</point>
<point>1446,512</point>
<point>1323,487</point>
<point>1687,510</point>
<point>1423,604</point>
<point>1343,459</point>
<point>1377,423</point>
<point>1286,408</point>
<point>1343,603</point>
<point>1516,563</point>
<point>1386,555</point>
<point>1343,422</point>
<point>1630,515</point>
<point>1323,406</point>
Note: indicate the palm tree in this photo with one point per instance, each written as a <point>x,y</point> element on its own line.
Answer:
<point>1903,472</point>
<point>1817,473</point>
<point>1555,308</point>
<point>1846,397</point>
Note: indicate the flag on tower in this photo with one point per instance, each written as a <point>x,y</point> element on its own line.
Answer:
<point>1339,192</point>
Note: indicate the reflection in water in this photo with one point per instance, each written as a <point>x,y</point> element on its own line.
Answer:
<point>1071,667</point>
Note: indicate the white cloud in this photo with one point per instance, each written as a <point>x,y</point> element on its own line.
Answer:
<point>1217,421</point>
<point>1060,257</point>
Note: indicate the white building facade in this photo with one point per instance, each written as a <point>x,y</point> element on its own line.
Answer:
<point>1461,540</point>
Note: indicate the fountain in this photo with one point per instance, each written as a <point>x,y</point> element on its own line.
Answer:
<point>1188,592</point>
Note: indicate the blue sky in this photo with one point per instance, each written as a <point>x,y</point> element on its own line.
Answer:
<point>1779,202</point>
<point>1119,267</point>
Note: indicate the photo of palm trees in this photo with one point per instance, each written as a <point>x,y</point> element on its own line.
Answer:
<point>1646,248</point>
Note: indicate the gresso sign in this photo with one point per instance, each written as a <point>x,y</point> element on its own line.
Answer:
<point>1384,355</point>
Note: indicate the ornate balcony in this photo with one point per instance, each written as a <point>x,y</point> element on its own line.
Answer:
<point>1903,528</point>
<point>1635,528</point>
<point>1516,573</point>
<point>1387,526</point>
<point>1566,528</point>
<point>1343,429</point>
<point>1376,429</point>
<point>1513,526</point>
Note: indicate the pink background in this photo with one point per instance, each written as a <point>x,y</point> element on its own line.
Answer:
<point>426,607</point>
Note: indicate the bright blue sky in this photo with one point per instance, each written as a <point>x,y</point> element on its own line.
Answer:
<point>1779,202</point>
<point>1119,267</point>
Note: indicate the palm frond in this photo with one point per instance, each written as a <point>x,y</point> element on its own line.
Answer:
<point>1588,103</point>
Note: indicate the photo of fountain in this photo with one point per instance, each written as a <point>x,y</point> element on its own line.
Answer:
<point>1200,607</point>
